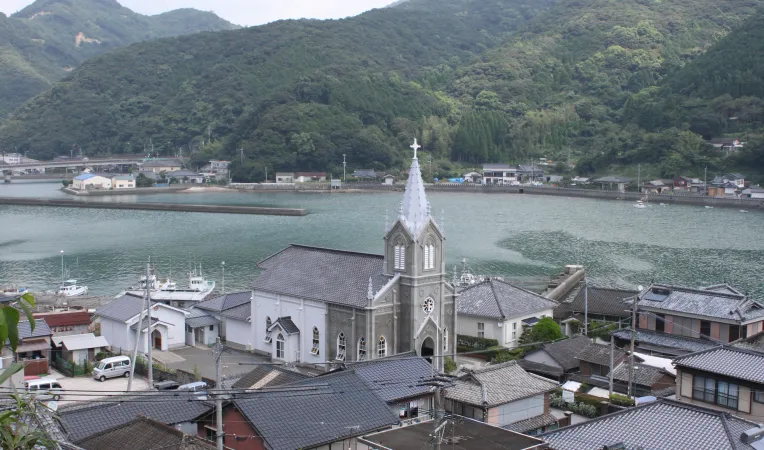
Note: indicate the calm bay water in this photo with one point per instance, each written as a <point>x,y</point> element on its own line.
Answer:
<point>514,236</point>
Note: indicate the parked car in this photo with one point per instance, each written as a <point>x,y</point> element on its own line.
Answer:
<point>166,385</point>
<point>197,386</point>
<point>116,366</point>
<point>44,388</point>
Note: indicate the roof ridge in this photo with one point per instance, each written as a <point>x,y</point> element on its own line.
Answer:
<point>496,298</point>
<point>525,290</point>
<point>313,247</point>
<point>733,348</point>
<point>699,290</point>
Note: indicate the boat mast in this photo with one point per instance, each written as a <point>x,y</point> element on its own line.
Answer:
<point>62,267</point>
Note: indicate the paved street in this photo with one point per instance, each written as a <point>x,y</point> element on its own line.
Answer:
<point>202,358</point>
<point>89,389</point>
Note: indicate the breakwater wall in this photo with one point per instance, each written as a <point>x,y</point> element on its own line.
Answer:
<point>220,209</point>
<point>679,198</point>
<point>133,191</point>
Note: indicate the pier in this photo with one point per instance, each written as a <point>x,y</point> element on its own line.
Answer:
<point>220,209</point>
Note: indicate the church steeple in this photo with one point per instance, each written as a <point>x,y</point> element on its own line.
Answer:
<point>415,209</point>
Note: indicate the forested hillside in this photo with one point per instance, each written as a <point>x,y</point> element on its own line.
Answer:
<point>479,81</point>
<point>46,40</point>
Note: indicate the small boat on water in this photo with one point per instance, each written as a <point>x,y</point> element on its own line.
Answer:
<point>12,291</point>
<point>640,204</point>
<point>709,207</point>
<point>743,211</point>
<point>70,289</point>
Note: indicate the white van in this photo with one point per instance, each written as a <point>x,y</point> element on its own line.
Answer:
<point>44,388</point>
<point>116,366</point>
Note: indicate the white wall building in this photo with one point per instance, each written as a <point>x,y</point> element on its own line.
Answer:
<point>501,174</point>
<point>91,181</point>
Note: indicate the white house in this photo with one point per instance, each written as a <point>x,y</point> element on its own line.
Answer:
<point>91,181</point>
<point>498,310</point>
<point>219,307</point>
<point>389,179</point>
<point>753,192</point>
<point>500,174</point>
<point>284,177</point>
<point>304,177</point>
<point>201,328</point>
<point>119,324</point>
<point>123,182</point>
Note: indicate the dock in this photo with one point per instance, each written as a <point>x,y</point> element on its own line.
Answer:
<point>219,209</point>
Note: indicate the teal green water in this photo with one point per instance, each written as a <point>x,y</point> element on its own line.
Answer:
<point>515,236</point>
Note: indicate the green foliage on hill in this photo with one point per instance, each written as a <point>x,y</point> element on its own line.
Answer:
<point>39,44</point>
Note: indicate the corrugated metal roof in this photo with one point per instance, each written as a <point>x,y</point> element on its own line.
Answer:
<point>80,341</point>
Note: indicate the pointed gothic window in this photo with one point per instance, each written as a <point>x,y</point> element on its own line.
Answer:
<point>400,257</point>
<point>445,339</point>
<point>362,349</point>
<point>341,347</point>
<point>429,256</point>
<point>268,324</point>
<point>382,347</point>
<point>314,350</point>
<point>280,346</point>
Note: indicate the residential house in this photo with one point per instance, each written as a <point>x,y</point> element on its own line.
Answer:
<point>143,433</point>
<point>216,168</point>
<point>684,183</point>
<point>185,177</point>
<point>753,342</point>
<point>63,323</point>
<point>594,361</point>
<point>723,190</point>
<point>201,328</point>
<point>83,420</point>
<point>34,347</point>
<point>91,181</point>
<point>660,343</point>
<point>123,182</point>
<point>654,187</point>
<point>267,376</point>
<point>463,434</point>
<point>503,395</point>
<point>473,177</point>
<point>530,173</point>
<point>495,309</point>
<point>734,178</point>
<point>554,178</point>
<point>313,413</point>
<point>161,165</point>
<point>754,192</point>
<point>662,424</point>
<point>284,177</point>
<point>389,180</point>
<point>557,359</point>
<point>727,378</point>
<point>726,145</point>
<point>580,180</point>
<point>601,304</point>
<point>502,174</point>
<point>119,324</point>
<point>232,311</point>
<point>647,380</point>
<point>304,177</point>
<point>78,348</point>
<point>365,174</point>
<point>619,182</point>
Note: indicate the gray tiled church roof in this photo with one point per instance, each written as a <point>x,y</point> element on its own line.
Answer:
<point>498,384</point>
<point>333,276</point>
<point>500,300</point>
<point>664,424</point>
<point>733,362</point>
<point>225,301</point>
<point>241,312</point>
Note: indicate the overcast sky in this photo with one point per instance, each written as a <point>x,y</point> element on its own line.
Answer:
<point>243,12</point>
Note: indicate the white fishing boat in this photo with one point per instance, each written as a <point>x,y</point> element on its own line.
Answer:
<point>467,277</point>
<point>640,204</point>
<point>167,292</point>
<point>709,207</point>
<point>70,289</point>
<point>743,211</point>
<point>12,291</point>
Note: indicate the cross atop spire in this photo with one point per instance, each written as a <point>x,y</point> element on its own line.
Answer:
<point>416,147</point>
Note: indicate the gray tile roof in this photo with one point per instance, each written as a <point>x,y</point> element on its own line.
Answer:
<point>498,166</point>
<point>225,301</point>
<point>533,423</point>
<point>144,434</point>
<point>498,299</point>
<point>666,340</point>
<point>162,163</point>
<point>267,376</point>
<point>644,375</point>
<point>599,354</point>
<point>144,323</point>
<point>40,329</point>
<point>753,342</point>
<point>727,360</point>
<point>123,308</point>
<point>198,318</point>
<point>333,276</point>
<point>241,312</point>
<point>318,413</point>
<point>501,383</point>
<point>535,367</point>
<point>565,351</point>
<point>701,302</point>
<point>286,324</point>
<point>378,374</point>
<point>86,419</point>
<point>664,424</point>
<point>605,301</point>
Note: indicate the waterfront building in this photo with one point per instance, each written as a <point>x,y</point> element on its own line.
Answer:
<point>91,181</point>
<point>161,165</point>
<point>123,182</point>
<point>601,304</point>
<point>284,177</point>
<point>609,181</point>
<point>502,174</point>
<point>314,305</point>
<point>365,174</point>
<point>304,177</point>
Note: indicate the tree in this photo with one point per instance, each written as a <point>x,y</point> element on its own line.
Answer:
<point>546,330</point>
<point>143,181</point>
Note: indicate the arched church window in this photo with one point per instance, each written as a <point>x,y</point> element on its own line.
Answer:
<point>362,349</point>
<point>382,347</point>
<point>400,256</point>
<point>428,305</point>
<point>445,339</point>
<point>268,324</point>
<point>341,346</point>
<point>280,346</point>
<point>429,256</point>
<point>314,350</point>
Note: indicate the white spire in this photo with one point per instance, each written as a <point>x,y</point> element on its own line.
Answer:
<point>415,209</point>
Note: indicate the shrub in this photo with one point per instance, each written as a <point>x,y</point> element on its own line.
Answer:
<point>476,343</point>
<point>584,388</point>
<point>621,400</point>
<point>580,408</point>
<point>449,365</point>
<point>101,355</point>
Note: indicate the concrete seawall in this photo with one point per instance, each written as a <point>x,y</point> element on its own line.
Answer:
<point>220,209</point>
<point>134,191</point>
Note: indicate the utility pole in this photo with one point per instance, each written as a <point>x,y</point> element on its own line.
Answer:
<point>266,174</point>
<point>135,350</point>
<point>439,421</point>
<point>217,353</point>
<point>586,305</point>
<point>633,338</point>
<point>222,267</point>
<point>705,178</point>
<point>242,156</point>
<point>344,164</point>
<point>612,351</point>
<point>148,331</point>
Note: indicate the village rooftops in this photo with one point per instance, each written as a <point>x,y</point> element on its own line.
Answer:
<point>80,341</point>
<point>498,384</point>
<point>599,354</point>
<point>730,361</point>
<point>719,305</point>
<point>241,312</point>
<point>327,275</point>
<point>64,318</point>
<point>377,373</point>
<point>656,340</point>
<point>267,376</point>
<point>644,375</point>
<point>225,301</point>
<point>753,342</point>
<point>286,324</point>
<point>41,329</point>
<point>143,433</point>
<point>500,300</point>
<point>564,352</point>
<point>124,307</point>
<point>663,424</point>
<point>199,318</point>
<point>601,301</point>
<point>365,173</point>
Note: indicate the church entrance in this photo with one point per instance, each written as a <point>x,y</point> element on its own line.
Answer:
<point>428,349</point>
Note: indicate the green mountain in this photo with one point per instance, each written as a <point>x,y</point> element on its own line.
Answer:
<point>479,80</point>
<point>45,41</point>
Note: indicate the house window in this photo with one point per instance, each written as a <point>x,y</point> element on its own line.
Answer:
<point>481,330</point>
<point>445,339</point>
<point>280,346</point>
<point>709,390</point>
<point>361,349</point>
<point>314,350</point>
<point>400,257</point>
<point>758,396</point>
<point>212,327</point>
<point>727,394</point>
<point>703,389</point>
<point>734,333</point>
<point>429,256</point>
<point>514,330</point>
<point>660,323</point>
<point>705,328</point>
<point>597,370</point>
<point>268,324</point>
<point>341,347</point>
<point>382,347</point>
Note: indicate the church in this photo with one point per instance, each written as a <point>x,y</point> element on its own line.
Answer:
<point>317,306</point>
